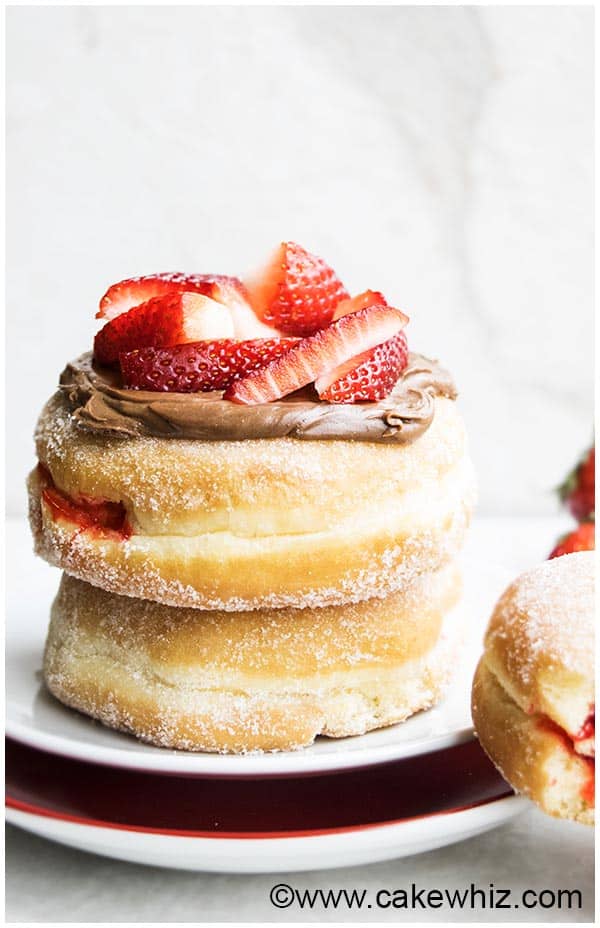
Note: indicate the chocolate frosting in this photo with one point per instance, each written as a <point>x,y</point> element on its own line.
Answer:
<point>100,404</point>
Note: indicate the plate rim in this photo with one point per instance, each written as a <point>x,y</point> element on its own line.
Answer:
<point>204,764</point>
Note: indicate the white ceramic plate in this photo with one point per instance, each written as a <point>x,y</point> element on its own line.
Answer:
<point>38,720</point>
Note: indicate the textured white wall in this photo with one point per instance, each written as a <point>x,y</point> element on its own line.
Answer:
<point>440,154</point>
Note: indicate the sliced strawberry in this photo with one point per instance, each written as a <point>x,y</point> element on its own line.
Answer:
<point>369,377</point>
<point>168,320</point>
<point>126,294</point>
<point>354,303</point>
<point>296,292</point>
<point>232,293</point>
<point>200,366</point>
<point>314,356</point>
<point>246,324</point>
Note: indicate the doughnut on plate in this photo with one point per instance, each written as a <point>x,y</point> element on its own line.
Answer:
<point>38,720</point>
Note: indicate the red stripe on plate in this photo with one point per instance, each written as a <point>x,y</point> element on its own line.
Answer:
<point>443,782</point>
<point>227,835</point>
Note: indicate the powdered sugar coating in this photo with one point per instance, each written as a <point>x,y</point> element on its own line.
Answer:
<point>240,525</point>
<point>267,681</point>
<point>107,564</point>
<point>548,614</point>
<point>540,641</point>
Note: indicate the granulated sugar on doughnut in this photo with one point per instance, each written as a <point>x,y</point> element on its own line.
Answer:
<point>533,699</point>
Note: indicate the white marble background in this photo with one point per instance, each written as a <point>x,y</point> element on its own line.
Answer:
<point>441,154</point>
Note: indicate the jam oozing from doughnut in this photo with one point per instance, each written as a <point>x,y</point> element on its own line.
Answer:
<point>588,790</point>
<point>588,729</point>
<point>89,513</point>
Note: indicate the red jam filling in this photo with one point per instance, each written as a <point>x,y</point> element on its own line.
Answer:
<point>588,790</point>
<point>588,729</point>
<point>100,516</point>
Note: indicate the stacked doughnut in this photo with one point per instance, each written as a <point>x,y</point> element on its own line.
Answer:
<point>533,693</point>
<point>245,574</point>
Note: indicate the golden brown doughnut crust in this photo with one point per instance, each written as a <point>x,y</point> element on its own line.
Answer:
<point>530,755</point>
<point>533,691</point>
<point>259,681</point>
<point>258,523</point>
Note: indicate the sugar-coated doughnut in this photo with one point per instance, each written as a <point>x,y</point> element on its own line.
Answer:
<point>533,692</point>
<point>258,536</point>
<point>255,681</point>
<point>241,525</point>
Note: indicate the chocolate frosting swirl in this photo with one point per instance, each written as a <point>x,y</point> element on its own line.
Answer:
<point>100,404</point>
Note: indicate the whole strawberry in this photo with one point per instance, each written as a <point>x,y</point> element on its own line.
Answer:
<point>578,491</point>
<point>580,539</point>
